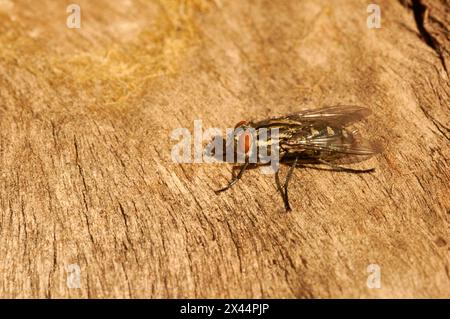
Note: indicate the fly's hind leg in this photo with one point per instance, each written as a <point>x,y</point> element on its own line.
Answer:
<point>234,179</point>
<point>284,190</point>
<point>279,187</point>
<point>346,169</point>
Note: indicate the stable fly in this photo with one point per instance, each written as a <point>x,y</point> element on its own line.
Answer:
<point>306,138</point>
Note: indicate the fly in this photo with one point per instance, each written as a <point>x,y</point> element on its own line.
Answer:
<point>319,136</point>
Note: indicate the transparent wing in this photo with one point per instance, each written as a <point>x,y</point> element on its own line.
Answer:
<point>341,147</point>
<point>339,115</point>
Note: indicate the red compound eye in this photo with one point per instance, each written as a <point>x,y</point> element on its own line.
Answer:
<point>245,142</point>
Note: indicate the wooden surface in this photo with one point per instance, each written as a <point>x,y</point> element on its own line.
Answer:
<point>87,177</point>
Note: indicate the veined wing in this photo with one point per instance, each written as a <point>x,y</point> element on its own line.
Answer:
<point>341,146</point>
<point>340,115</point>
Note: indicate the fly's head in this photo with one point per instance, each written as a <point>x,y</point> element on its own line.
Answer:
<point>216,148</point>
<point>236,145</point>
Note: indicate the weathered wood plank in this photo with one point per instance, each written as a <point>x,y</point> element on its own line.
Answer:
<point>87,178</point>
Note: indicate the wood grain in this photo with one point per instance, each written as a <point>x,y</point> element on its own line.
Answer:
<point>87,176</point>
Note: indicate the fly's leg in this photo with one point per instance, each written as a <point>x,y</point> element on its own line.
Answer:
<point>234,170</point>
<point>284,190</point>
<point>235,178</point>
<point>280,189</point>
<point>346,169</point>
<point>286,184</point>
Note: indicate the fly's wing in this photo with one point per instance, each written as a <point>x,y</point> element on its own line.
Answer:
<point>340,115</point>
<point>341,147</point>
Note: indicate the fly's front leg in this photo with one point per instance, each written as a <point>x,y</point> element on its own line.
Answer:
<point>346,169</point>
<point>235,178</point>
<point>234,170</point>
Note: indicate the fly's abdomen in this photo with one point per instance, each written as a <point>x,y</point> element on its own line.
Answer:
<point>319,141</point>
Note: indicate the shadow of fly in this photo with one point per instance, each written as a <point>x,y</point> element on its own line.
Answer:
<point>304,139</point>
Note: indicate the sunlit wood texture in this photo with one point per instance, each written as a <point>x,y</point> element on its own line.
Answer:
<point>86,171</point>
